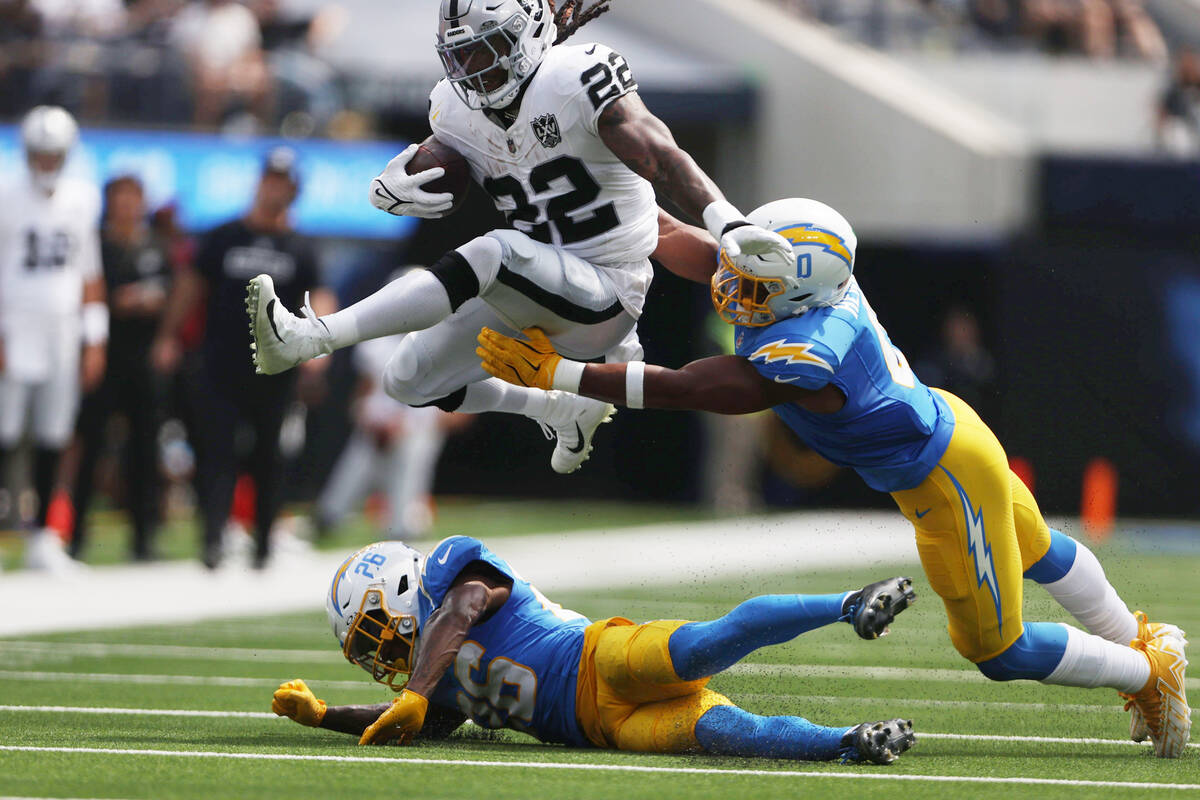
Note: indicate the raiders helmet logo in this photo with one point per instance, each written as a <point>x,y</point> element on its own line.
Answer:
<point>545,128</point>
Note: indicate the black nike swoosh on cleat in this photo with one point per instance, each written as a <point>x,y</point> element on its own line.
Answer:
<point>271,319</point>
<point>578,448</point>
<point>591,51</point>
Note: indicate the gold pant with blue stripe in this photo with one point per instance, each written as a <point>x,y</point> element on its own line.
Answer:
<point>628,696</point>
<point>978,529</point>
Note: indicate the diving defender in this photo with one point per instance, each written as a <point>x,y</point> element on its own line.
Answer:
<point>809,346</point>
<point>462,636</point>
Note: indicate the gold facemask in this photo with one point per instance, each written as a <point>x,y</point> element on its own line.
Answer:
<point>382,643</point>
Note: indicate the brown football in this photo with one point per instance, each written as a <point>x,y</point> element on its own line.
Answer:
<point>457,179</point>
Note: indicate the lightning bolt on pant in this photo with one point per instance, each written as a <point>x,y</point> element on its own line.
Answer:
<point>978,529</point>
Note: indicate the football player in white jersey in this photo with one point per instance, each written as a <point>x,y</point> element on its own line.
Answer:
<point>51,302</point>
<point>561,140</point>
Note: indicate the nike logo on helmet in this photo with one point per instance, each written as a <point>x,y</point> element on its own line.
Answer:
<point>579,443</point>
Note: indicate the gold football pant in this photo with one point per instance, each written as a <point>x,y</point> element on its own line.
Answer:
<point>978,529</point>
<point>628,695</point>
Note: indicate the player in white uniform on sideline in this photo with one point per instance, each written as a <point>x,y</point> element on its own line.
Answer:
<point>51,301</point>
<point>561,140</point>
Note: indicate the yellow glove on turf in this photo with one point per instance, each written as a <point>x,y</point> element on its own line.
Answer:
<point>401,722</point>
<point>532,363</point>
<point>296,701</point>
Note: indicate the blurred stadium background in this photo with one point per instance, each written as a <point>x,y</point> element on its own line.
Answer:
<point>1023,177</point>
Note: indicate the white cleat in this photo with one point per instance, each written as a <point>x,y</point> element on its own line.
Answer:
<point>45,552</point>
<point>573,420</point>
<point>281,339</point>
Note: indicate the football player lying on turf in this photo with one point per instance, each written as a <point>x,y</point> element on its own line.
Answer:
<point>462,636</point>
<point>559,137</point>
<point>809,346</point>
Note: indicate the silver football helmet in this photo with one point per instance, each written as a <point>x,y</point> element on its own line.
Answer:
<point>489,49</point>
<point>757,291</point>
<point>48,133</point>
<point>372,606</point>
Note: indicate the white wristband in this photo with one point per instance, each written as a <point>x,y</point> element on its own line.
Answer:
<point>719,214</point>
<point>567,375</point>
<point>95,323</point>
<point>635,379</point>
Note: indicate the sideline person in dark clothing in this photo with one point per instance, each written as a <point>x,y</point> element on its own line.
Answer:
<point>262,241</point>
<point>137,274</point>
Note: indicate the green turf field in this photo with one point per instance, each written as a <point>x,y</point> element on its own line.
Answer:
<point>1025,732</point>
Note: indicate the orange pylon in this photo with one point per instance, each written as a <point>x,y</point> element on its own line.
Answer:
<point>1098,509</point>
<point>1023,469</point>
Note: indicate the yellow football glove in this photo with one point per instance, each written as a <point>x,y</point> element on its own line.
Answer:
<point>401,722</point>
<point>296,701</point>
<point>532,363</point>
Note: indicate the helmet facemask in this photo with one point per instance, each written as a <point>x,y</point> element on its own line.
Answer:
<point>488,65</point>
<point>744,299</point>
<point>382,643</point>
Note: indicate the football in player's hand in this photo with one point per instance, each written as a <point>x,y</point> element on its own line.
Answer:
<point>457,179</point>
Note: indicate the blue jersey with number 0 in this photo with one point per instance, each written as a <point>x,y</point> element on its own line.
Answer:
<point>518,669</point>
<point>892,430</point>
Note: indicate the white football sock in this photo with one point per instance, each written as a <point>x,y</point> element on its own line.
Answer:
<point>1086,593</point>
<point>1090,661</point>
<point>413,302</point>
<point>494,394</point>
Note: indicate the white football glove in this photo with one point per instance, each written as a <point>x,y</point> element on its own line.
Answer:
<point>751,240</point>
<point>398,193</point>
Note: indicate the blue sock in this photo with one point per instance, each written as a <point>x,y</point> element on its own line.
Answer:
<point>1057,561</point>
<point>700,649</point>
<point>1032,657</point>
<point>730,731</point>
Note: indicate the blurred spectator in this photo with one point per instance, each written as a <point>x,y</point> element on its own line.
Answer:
<point>137,273</point>
<point>52,313</point>
<point>20,53</point>
<point>235,398</point>
<point>394,448</point>
<point>81,18</point>
<point>961,365</point>
<point>223,45</point>
<point>307,92</point>
<point>1177,126</point>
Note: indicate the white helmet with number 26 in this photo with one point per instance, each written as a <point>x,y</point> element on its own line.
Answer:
<point>489,48</point>
<point>372,606</point>
<point>757,291</point>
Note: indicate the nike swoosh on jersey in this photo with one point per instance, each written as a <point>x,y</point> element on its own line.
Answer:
<point>781,379</point>
<point>579,436</point>
<point>445,555</point>
<point>921,514</point>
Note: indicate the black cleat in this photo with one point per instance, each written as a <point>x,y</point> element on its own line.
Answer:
<point>871,609</point>
<point>877,742</point>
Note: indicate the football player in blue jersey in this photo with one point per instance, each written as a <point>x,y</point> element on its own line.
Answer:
<point>810,347</point>
<point>462,636</point>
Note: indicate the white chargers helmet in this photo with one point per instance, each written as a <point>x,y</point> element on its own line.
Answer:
<point>48,133</point>
<point>372,606</point>
<point>489,48</point>
<point>756,291</point>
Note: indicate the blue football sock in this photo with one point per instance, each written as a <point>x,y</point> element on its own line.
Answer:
<point>730,731</point>
<point>700,649</point>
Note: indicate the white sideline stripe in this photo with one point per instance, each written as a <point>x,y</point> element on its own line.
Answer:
<point>556,765</point>
<point>169,680</point>
<point>169,712</point>
<point>19,647</point>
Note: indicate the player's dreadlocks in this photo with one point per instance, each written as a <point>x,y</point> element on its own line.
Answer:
<point>570,16</point>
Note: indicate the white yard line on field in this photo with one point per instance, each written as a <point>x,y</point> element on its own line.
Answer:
<point>554,765</point>
<point>170,680</point>
<point>911,701</point>
<point>168,712</point>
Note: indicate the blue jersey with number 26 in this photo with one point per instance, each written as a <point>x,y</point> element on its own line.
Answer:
<point>518,669</point>
<point>892,430</point>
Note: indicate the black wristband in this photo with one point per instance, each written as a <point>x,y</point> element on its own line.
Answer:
<point>741,223</point>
